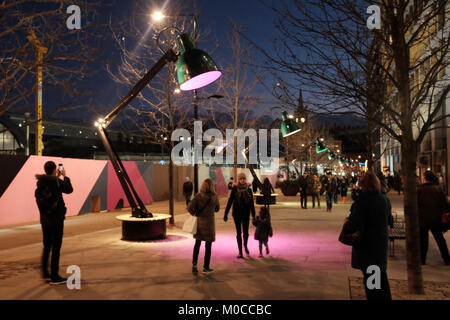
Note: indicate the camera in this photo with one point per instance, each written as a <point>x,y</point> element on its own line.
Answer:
<point>60,167</point>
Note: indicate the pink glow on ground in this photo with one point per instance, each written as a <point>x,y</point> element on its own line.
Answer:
<point>201,80</point>
<point>115,191</point>
<point>293,246</point>
<point>18,204</point>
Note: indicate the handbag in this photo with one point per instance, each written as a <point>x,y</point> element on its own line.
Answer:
<point>190,225</point>
<point>349,237</point>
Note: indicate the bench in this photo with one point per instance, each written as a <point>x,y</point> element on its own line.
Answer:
<point>396,233</point>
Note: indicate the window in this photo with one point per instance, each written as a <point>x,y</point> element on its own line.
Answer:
<point>7,140</point>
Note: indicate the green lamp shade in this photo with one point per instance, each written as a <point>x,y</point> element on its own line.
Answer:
<point>288,126</point>
<point>320,147</point>
<point>195,68</point>
<point>331,155</point>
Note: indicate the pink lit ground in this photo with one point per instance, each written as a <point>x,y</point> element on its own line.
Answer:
<point>306,260</point>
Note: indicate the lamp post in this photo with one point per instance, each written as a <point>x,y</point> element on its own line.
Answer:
<point>159,16</point>
<point>40,51</point>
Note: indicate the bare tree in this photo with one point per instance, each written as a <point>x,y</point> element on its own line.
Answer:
<point>69,54</point>
<point>394,77</point>
<point>237,87</point>
<point>157,110</point>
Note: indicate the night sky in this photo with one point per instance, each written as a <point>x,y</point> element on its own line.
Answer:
<point>214,15</point>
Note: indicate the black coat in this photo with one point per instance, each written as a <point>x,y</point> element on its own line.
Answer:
<point>241,209</point>
<point>49,199</point>
<point>330,186</point>
<point>188,187</point>
<point>370,215</point>
<point>432,204</point>
<point>303,183</point>
<point>263,229</point>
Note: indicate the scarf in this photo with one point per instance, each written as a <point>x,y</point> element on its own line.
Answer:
<point>242,193</point>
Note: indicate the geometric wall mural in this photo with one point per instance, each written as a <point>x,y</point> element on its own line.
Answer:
<point>95,185</point>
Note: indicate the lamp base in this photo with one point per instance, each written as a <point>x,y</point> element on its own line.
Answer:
<point>260,199</point>
<point>142,229</point>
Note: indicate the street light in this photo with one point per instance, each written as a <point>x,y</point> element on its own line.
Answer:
<point>190,65</point>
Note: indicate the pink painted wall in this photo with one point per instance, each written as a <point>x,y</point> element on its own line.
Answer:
<point>18,205</point>
<point>115,191</point>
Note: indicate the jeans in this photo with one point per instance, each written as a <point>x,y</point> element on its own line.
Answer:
<point>329,197</point>
<point>52,238</point>
<point>207,253</point>
<point>244,222</point>
<point>303,199</point>
<point>314,197</point>
<point>440,240</point>
<point>384,293</point>
<point>187,197</point>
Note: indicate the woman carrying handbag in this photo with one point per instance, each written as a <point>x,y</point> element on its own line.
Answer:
<point>366,230</point>
<point>203,206</point>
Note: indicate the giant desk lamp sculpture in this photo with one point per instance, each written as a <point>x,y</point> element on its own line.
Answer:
<point>288,126</point>
<point>195,69</point>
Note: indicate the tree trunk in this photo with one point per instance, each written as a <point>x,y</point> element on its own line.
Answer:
<point>171,193</point>
<point>413,260</point>
<point>235,158</point>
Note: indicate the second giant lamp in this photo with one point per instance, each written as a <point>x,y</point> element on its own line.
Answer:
<point>288,126</point>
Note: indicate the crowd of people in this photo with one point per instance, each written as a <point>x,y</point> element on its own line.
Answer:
<point>366,228</point>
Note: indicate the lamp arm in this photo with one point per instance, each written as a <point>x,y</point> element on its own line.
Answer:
<point>138,208</point>
<point>169,56</point>
<point>255,177</point>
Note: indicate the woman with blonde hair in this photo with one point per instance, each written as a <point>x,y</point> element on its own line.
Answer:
<point>203,206</point>
<point>367,225</point>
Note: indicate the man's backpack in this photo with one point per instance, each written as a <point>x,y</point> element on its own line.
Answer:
<point>44,199</point>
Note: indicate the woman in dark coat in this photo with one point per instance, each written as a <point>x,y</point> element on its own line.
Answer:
<point>204,204</point>
<point>241,198</point>
<point>267,191</point>
<point>370,216</point>
<point>432,204</point>
<point>344,190</point>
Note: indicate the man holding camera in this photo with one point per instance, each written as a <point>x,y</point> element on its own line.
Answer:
<point>52,211</point>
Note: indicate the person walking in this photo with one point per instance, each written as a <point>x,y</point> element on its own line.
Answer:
<point>230,184</point>
<point>204,205</point>
<point>330,190</point>
<point>338,188</point>
<point>52,211</point>
<point>303,187</point>
<point>432,203</point>
<point>188,188</point>
<point>398,183</point>
<point>344,190</point>
<point>315,191</point>
<point>241,198</point>
<point>263,229</point>
<point>267,191</point>
<point>370,216</point>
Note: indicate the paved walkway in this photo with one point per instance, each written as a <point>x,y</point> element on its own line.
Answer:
<point>306,260</point>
